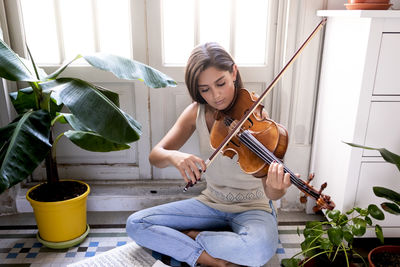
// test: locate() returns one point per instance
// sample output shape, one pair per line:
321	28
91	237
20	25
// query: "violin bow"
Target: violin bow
240	123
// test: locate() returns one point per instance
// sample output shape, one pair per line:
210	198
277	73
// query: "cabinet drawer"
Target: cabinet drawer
383	128
378	174
387	79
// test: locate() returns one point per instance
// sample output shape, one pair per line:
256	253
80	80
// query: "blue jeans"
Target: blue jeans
252	241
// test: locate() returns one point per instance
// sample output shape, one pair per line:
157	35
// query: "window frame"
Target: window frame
250	73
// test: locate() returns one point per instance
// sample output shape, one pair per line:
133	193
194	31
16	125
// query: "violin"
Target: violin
257	140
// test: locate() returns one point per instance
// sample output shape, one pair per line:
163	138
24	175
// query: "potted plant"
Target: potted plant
97	122
329	243
386	255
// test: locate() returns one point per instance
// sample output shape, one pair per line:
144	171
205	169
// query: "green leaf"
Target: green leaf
129	69
325	244
359	227
349	211
391	208
96	111
292	262
27	148
342	219
75	123
386	154
309	242
333	214
348	236
376	212
55	74
93	142
379	233
11	66
6	132
368	220
335	235
114	97
386	193
23	100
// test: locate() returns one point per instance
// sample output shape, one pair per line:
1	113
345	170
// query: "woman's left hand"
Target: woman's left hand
277	181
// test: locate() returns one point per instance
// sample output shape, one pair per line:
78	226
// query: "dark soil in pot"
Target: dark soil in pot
60	191
386	259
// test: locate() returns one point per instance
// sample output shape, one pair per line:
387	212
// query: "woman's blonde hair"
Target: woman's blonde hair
202	57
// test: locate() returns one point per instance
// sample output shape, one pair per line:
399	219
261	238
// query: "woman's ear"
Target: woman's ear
234	71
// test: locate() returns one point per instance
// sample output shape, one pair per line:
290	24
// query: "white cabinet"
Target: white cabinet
358	102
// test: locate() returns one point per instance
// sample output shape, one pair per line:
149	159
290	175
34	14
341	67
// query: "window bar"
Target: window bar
132	17
232	29
95	26
196	17
59	29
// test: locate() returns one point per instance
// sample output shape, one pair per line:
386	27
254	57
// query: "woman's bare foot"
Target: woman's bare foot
206	259
191	233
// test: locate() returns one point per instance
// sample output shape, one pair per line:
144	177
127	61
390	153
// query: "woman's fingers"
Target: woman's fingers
188	167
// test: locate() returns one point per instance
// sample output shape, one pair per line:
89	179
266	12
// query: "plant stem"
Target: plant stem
51	165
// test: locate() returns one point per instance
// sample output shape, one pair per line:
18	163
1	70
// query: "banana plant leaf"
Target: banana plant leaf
129	69
74	122
24	100
6	132
96	111
122	68
26	148
11	66
93	142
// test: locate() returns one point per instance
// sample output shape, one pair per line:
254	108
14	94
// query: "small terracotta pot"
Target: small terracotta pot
381	249
368	1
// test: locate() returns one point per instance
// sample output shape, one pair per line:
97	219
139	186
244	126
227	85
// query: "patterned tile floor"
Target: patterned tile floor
20	246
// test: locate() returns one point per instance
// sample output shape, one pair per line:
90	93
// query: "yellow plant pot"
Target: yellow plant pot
60	221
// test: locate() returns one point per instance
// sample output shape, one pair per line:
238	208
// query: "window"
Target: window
240	26
58	30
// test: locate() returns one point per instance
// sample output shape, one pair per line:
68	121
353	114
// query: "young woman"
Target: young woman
184	229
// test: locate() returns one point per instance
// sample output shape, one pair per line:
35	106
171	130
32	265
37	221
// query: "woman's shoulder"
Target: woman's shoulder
189	115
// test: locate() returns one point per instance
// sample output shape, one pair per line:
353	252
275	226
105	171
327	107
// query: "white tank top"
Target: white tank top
228	188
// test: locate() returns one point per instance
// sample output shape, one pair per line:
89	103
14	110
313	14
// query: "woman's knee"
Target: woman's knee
134	223
262	250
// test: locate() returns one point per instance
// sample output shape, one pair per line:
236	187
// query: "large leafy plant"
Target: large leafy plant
97	122
392	207
329	242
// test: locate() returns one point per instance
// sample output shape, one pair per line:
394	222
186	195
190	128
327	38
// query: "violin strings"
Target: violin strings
254	145
263	153
260	150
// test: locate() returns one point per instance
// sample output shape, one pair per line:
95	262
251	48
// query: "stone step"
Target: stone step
126	196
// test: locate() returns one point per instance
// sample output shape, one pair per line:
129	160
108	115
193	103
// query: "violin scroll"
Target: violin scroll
322	201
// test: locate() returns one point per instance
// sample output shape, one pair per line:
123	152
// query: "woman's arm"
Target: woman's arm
166	153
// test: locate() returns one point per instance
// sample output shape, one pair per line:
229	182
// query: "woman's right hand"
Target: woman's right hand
189	166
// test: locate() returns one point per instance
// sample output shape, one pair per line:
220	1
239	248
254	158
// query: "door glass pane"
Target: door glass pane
251	31
178	30
114	27
78	30
215	22
40	30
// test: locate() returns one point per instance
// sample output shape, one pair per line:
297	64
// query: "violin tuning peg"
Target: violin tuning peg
323	186
310	178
